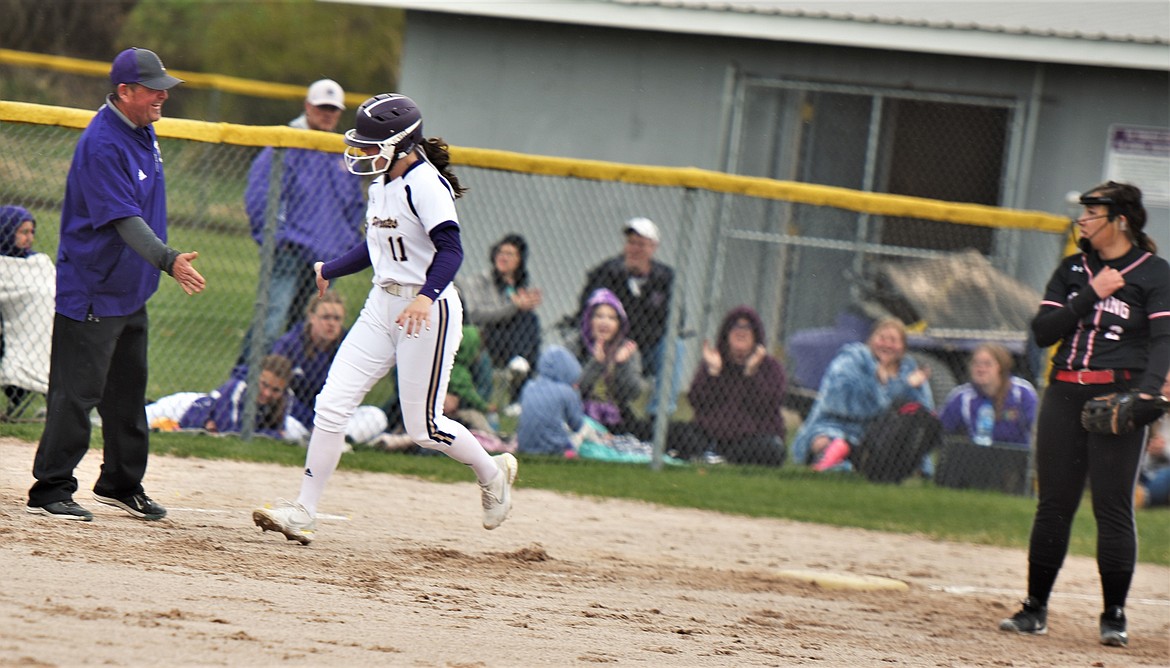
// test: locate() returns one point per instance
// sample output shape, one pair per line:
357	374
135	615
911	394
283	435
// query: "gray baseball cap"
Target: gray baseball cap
141	66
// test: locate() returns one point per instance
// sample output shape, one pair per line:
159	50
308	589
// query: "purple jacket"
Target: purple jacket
310	368
609	388
1013	423
226	407
10	218
322	205
117	172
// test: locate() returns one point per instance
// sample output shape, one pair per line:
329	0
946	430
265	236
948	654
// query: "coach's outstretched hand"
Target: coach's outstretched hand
188	277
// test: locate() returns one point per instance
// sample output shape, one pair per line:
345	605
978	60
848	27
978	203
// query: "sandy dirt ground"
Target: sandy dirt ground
402	575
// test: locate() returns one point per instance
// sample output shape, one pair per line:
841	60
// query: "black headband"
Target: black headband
1087	199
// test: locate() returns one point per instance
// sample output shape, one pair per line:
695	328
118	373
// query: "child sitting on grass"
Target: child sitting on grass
550	406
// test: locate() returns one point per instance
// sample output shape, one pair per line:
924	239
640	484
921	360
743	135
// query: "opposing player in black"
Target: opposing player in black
1108	308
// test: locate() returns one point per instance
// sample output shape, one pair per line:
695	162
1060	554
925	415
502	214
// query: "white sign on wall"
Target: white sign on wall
1141	156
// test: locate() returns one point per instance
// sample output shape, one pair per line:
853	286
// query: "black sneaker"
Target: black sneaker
139	505
1031	619
1113	631
63	510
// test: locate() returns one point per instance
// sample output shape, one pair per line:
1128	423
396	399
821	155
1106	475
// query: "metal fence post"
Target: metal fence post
664	384
258	343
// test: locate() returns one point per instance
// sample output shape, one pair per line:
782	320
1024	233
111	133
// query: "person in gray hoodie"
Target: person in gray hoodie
550	406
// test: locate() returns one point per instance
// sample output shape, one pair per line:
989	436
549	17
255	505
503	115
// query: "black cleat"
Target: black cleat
1032	619
62	510
139	505
1113	631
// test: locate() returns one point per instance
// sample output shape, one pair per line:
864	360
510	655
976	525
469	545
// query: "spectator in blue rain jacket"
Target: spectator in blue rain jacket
863	381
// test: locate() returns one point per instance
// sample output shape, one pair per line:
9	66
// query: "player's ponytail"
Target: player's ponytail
1146	243
440	157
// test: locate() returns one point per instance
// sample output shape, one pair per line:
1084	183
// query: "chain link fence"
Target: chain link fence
798	255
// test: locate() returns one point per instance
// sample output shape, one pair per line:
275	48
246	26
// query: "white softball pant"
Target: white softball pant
374	345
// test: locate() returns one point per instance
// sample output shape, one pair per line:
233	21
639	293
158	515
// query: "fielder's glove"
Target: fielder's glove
1121	412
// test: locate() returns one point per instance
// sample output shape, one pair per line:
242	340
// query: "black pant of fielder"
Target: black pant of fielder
1066	455
102	363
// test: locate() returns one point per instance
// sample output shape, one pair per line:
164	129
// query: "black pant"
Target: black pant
1065	455
690	441
98	363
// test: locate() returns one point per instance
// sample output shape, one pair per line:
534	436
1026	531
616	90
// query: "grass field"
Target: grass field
945	514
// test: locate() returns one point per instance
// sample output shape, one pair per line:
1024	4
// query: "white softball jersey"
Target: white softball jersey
399	219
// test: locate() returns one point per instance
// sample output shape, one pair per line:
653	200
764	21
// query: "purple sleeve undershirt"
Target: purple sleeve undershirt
354	260
448	258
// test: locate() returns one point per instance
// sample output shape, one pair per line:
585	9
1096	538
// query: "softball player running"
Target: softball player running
412	316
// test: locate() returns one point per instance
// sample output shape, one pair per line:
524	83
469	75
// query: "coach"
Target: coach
113	244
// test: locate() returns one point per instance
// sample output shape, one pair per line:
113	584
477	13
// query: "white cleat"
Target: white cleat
497	494
290	519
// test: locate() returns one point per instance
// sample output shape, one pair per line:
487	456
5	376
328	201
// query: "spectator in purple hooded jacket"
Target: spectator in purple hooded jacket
28	289
18	228
736	396
611	368
221	411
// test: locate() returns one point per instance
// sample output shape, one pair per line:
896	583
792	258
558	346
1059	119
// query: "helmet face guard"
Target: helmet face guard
357	161
388	122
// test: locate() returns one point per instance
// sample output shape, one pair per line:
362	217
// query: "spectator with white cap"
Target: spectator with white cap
320	214
644	287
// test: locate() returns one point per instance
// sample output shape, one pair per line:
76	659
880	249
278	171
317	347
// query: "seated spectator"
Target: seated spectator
28	282
644	286
502	303
864	381
310	345
736	396
551	408
991	420
611	371
1011	400
222	410
1153	487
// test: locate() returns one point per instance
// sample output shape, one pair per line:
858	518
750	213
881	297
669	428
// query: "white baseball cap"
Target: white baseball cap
326	91
643	227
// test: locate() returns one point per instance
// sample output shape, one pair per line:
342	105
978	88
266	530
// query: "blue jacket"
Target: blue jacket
850	397
322	205
549	402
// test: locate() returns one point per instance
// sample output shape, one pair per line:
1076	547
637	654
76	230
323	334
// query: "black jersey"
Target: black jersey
1130	329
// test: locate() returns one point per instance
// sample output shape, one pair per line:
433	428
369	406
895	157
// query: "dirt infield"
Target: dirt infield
402	575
